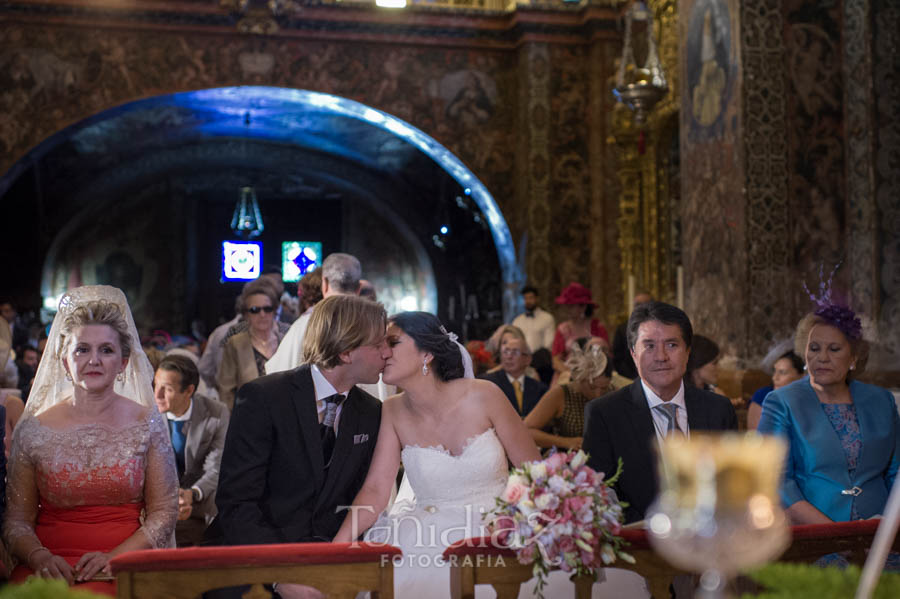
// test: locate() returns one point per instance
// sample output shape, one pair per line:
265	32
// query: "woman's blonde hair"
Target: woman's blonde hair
858	347
587	364
339	324
97	312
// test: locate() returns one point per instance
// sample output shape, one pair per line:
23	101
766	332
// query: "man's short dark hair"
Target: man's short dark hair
662	312
529	289
185	367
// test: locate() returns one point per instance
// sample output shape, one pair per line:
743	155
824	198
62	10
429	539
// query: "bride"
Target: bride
455	436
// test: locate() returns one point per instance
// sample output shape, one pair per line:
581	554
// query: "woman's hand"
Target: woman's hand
47	565
90	564
573	442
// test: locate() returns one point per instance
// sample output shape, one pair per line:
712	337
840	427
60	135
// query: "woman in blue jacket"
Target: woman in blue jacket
844	435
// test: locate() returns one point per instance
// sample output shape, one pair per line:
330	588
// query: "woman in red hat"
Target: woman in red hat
577	311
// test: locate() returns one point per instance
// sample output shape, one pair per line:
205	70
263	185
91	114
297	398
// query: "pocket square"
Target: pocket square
357	439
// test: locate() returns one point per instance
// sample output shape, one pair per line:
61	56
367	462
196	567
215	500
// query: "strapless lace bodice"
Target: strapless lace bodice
476	476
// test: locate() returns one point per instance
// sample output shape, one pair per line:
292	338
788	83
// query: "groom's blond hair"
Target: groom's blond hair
340	324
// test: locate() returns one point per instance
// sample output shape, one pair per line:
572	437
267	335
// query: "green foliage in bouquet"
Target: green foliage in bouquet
40	588
800	581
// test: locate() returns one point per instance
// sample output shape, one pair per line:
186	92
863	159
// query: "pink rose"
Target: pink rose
514	492
555	462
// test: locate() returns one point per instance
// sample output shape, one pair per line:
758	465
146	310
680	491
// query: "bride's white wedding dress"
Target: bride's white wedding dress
452	493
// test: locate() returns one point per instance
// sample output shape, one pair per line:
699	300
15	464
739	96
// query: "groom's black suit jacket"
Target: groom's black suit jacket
273	485
619	425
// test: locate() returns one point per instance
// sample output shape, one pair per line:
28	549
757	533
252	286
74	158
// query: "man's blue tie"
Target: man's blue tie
178	439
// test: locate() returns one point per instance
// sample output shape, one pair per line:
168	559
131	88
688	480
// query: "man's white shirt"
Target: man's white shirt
539	329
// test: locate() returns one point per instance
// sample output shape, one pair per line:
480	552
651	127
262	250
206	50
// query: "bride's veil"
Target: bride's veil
50	385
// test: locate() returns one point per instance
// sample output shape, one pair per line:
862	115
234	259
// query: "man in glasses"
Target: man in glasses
522	391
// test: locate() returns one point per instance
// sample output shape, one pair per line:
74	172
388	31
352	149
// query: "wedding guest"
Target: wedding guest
212	353
786	369
522	391
702	366
91	474
578	308
311	288
501	336
537	324
244	354
844	435
626	423
622	361
197	427
563	406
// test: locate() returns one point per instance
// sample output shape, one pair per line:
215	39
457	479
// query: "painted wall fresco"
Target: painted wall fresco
714	240
467	99
815	118
55	77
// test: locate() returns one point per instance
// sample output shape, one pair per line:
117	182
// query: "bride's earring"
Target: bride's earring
68	376
424	367
121	377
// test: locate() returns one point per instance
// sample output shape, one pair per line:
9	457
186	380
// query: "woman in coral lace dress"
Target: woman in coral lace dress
91	471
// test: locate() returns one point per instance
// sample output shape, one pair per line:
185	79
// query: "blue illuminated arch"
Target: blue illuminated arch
268	112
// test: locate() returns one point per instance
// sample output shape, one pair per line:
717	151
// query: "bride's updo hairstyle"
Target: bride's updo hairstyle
430	336
97	312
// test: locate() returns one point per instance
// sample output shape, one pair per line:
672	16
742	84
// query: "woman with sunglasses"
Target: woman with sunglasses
245	353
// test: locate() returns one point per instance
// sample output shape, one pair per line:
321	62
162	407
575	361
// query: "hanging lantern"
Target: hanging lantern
247	222
640	87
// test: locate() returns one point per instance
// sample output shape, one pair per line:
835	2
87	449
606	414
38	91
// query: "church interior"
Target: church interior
129	129
723	156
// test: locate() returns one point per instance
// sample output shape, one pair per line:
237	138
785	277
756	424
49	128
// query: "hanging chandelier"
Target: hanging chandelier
640	87
247	222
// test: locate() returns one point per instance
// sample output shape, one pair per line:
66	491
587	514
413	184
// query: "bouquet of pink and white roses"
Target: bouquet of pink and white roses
560	513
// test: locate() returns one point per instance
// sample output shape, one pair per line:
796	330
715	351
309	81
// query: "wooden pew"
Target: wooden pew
808	544
339	570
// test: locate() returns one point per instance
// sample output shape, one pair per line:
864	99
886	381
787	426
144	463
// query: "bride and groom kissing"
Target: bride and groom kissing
305	445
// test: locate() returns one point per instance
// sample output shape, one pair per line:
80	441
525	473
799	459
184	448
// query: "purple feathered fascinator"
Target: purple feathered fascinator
838	315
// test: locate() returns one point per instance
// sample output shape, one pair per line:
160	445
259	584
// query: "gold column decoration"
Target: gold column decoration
647	216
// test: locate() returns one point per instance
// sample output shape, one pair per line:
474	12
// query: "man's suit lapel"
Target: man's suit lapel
194	432
641	419
698	418
530	395
308	421
343	444
503	382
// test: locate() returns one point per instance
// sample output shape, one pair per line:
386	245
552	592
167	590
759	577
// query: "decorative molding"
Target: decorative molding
764	117
534	82
886	57
421	24
859	143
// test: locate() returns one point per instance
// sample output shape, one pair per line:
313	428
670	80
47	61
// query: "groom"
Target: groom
300	441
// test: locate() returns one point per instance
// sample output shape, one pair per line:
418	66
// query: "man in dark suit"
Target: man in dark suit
629	422
197	427
300	441
522	391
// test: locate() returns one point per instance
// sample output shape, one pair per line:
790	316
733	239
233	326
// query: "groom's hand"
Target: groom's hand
185	503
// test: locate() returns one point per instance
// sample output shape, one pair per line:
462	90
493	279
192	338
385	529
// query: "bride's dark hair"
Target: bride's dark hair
430	336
